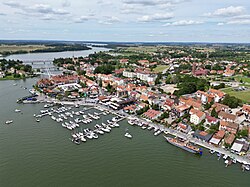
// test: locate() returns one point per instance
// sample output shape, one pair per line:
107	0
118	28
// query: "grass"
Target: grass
244	79
243	95
160	68
15	48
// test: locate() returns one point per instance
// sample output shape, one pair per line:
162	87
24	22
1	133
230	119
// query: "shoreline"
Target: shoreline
165	130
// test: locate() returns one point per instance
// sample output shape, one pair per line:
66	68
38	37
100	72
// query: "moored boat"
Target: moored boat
185	145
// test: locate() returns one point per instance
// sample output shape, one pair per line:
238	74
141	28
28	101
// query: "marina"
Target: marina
38	144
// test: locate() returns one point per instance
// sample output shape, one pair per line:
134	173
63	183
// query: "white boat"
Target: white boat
64	125
83	139
95	136
9	122
37	120
104	129
116	125
128	135
213	151
157	132
131	122
17	110
225	157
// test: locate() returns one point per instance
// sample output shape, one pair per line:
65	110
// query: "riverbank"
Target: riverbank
166	130
43	150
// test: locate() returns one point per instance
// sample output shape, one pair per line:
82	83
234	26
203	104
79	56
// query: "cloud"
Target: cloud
2	14
183	23
82	19
109	20
36	8
227	12
153	2
13	4
66	3
156	17
239	22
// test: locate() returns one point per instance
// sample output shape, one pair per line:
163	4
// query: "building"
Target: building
152	114
184	127
217	137
229	126
196	116
227	116
202	135
229	139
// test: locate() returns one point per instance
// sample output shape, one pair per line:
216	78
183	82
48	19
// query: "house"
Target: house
240	145
220	107
229	126
130	109
152	114
202	135
211	120
217	137
184	127
227	116
229	139
218	95
197	104
246	109
2	74
181	110
168	104
205	97
196	116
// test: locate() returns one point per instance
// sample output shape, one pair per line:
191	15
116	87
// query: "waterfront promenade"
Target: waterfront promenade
166	130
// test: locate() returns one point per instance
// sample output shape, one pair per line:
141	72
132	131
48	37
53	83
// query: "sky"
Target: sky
126	20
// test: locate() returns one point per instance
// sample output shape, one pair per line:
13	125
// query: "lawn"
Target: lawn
244	79
243	95
160	68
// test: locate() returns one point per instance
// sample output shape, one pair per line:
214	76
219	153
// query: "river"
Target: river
49	57
41	154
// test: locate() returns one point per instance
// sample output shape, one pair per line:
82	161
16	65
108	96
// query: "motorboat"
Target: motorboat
37	120
128	135
9	122
213	151
17	110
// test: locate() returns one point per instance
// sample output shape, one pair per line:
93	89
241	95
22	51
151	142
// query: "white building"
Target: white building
196	116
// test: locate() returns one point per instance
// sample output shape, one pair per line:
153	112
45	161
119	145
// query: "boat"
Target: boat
17	110
157	132
185	145
225	157
77	141
83	139
37	120
9	122
128	135
212	151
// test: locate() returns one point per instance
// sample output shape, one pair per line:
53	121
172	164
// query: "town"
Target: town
182	93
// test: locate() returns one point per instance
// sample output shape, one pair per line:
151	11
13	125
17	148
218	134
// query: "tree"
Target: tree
231	101
214	113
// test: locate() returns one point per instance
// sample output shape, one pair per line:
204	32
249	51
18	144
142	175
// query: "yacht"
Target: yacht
83	139
37	120
9	122
17	110
213	151
128	135
131	122
157	132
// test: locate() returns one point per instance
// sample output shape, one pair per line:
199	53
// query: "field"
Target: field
244	79
160	68
243	95
15	48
